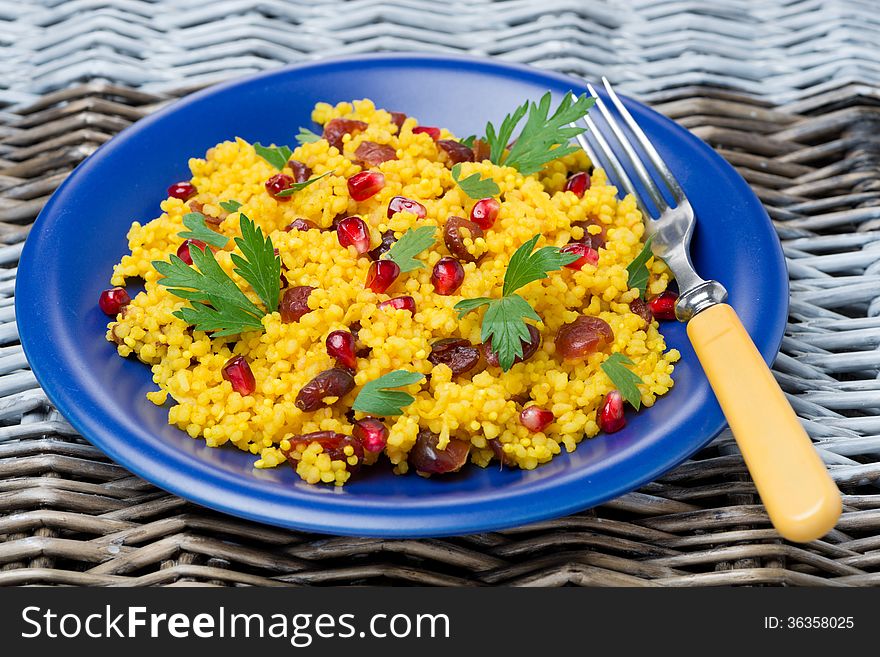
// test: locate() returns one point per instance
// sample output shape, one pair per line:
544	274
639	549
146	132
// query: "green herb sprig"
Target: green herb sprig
638	269
624	379
306	136
504	320
378	397
231	205
198	230
411	243
475	186
296	187
277	156
216	302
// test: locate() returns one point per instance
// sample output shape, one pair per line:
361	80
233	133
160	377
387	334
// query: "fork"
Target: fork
800	497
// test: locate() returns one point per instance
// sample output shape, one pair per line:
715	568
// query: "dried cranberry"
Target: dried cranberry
371	154
301	170
485	212
578	183
454	239
372	434
584	336
336	128
456	151
642	309
663	305
529	348
113	300
333	445
403	204
447	276
340	345
238	373
535	419
183	190
596	241
431	131
385	245
335	382
295	303
456	353
397	118
277	184
381	274
611	417
183	250
365	184
301	225
352	231
399	303
587	255
427	459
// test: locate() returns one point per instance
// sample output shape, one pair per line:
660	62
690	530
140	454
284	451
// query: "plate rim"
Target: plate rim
474	521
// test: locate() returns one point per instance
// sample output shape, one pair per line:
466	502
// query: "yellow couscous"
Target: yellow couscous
479	414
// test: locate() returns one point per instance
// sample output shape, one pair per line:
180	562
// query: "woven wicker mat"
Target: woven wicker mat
786	91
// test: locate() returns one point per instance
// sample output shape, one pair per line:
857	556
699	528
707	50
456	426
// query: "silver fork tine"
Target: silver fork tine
610	159
647	146
641	171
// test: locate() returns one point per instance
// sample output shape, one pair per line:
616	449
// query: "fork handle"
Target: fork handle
800	497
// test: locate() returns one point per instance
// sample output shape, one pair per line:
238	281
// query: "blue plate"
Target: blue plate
81	233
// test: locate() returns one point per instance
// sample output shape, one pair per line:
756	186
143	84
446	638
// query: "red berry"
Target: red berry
403	204
113	300
588	255
428	130
381	274
238	373
485	212
365	184
352	231
372	434
611	416
447	276
183	190
340	345
535	418
277	184
663	305
301	225
578	183
183	250
399	303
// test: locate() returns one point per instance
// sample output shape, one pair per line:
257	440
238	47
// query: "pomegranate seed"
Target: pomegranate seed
340	345
399	303
301	225
277	184
611	416
381	274
113	300
183	250
352	231
535	418
485	212
428	130
182	190
238	373
663	305
365	184
403	204
447	277
587	255
578	183
372	434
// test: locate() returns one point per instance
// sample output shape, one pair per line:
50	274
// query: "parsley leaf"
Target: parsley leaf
638	270
306	136
504	320
410	244
475	186
623	378
295	187
231	205
544	137
276	156
377	397
259	265
198	230
469	141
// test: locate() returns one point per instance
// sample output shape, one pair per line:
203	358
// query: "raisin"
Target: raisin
385	245
371	154
456	353
295	303
301	170
335	382
582	337
336	128
454	239
456	151
332	443
427	459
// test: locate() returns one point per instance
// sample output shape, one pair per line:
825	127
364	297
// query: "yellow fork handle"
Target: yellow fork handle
801	499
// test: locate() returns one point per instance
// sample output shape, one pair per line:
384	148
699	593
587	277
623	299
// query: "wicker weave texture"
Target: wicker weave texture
786	91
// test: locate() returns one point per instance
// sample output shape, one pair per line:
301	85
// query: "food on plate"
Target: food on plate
388	291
